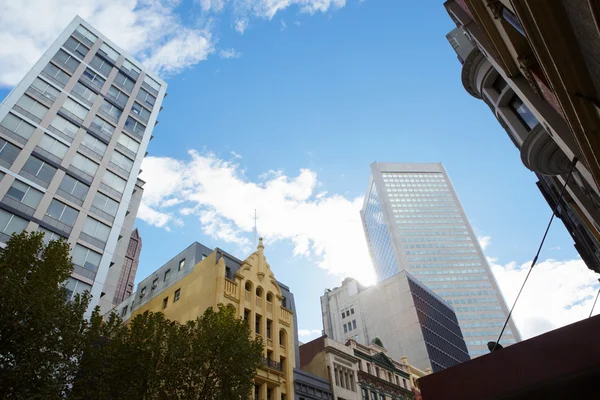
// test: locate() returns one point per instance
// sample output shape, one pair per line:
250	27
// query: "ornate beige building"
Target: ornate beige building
359	372
183	290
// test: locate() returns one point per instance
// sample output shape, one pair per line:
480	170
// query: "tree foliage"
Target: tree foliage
154	358
48	350
40	333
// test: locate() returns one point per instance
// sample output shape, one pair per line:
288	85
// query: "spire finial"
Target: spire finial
260	243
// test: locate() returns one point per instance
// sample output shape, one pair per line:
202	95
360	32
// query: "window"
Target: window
345	329
167	275
121	161
10	223
143	292
257	324
84	92
49	235
45	89
176	295
182	264
146	98
109	52
53	146
94	144
96	229
94	78
111	110
75	108
381	396
75	287
86	258
56	73
103	126
101	65
8	151
154	284
105	204
269	324
524	114
118	96
86	33
343	314
63	126
124	81
76	47
352	311
129	143
132	69
373	396
84	164
24	194
62	212
68	61
35	109
73	187
364	394
152	83
142	112
115	182
124	312
134	126
353	324
18	126
165	302
39	169
499	84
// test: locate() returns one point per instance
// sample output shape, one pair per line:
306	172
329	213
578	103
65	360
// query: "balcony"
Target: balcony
102	214
113	192
231	289
540	153
57	224
92	240
17	205
286	317
103	134
267	362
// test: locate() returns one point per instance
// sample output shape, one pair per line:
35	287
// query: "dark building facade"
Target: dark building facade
439	326
508	63
130	266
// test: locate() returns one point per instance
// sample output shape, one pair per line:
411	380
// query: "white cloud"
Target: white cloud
150	30
229	53
153	217
557	293
309	332
235	155
240	25
320	226
484	241
297	23
283	25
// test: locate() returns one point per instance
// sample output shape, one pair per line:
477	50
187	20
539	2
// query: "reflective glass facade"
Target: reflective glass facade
430	237
378	236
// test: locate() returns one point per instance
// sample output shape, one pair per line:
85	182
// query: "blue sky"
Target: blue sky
286	117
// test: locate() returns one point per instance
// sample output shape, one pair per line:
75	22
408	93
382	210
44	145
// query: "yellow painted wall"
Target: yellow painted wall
206	286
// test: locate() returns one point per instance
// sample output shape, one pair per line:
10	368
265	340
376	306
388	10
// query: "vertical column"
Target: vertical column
263	392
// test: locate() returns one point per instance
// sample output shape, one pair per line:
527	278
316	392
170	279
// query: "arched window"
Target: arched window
248	286
270	297
259	292
282	337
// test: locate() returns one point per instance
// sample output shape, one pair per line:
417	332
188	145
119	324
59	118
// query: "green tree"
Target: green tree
40	331
152	358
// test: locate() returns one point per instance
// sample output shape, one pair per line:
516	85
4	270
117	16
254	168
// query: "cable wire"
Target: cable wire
535	259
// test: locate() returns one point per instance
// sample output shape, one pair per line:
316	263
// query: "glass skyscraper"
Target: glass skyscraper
413	221
73	134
